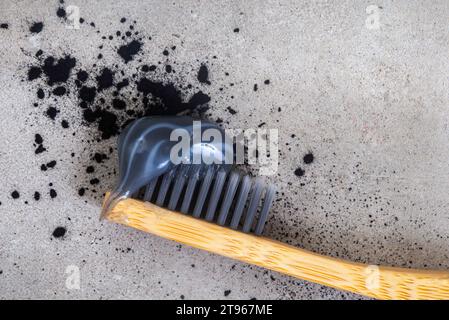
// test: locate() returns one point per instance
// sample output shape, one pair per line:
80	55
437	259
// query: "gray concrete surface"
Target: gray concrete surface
370	103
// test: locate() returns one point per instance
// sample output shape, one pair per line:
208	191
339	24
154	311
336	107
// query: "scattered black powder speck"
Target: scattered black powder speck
122	84
267	81
227	292
308	158
40	94
4	26
236	30
58	71
59	232
34	73
64	124
81	191
39	141
118	104
52	112
171	102
51	164
82	75
128	51
108	124
61	12
37	195
105	79
99	157
299	172
53	193
90	169
36	27
203	74
87	94
231	111
40	148
38	138
15	194
59	91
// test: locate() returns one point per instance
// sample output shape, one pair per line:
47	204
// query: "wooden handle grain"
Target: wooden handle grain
369	280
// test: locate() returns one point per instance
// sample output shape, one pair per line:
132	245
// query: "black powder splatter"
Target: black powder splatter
40	94
231	111
34	73
82	75
104	103
58	71
53	193
52	112
36	27
107	124
169	96
59	91
299	172
105	79
118	104
59	232
51	164
40	148
61	12
100	157
87	94
39	141
308	158
203	74
38	138
127	52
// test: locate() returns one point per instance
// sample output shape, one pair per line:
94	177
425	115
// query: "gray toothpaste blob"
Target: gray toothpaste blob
144	151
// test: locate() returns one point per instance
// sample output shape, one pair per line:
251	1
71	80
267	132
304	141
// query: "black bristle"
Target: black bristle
214	193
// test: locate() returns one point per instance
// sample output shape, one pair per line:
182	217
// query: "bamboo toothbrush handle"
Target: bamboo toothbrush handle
369	280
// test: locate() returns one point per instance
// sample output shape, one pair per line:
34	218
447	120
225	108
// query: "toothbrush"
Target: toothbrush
220	210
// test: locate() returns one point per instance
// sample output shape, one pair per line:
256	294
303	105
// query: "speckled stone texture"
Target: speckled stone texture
370	104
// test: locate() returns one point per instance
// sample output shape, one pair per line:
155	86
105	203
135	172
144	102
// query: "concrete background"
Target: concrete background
370	103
